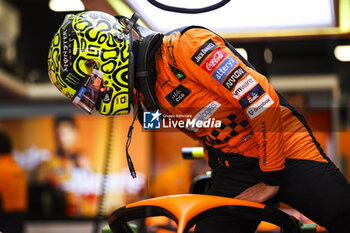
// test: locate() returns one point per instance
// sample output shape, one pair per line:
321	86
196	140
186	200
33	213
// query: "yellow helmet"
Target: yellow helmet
90	61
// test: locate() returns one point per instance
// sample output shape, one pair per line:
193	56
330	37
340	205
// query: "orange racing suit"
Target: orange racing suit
199	77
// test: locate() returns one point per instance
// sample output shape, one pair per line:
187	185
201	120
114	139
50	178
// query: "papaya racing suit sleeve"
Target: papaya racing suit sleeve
212	65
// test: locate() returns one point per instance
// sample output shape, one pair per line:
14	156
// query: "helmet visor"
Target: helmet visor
87	95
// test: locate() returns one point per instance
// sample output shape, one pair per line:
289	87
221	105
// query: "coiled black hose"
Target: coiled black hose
100	217
188	10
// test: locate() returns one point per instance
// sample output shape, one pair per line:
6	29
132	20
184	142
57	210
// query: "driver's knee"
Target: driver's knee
340	225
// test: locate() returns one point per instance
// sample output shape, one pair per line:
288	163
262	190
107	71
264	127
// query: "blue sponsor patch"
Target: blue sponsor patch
225	68
251	96
81	92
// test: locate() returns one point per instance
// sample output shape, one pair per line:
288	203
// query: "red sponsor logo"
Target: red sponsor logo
214	60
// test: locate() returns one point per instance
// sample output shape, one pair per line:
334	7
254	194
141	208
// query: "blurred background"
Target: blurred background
302	46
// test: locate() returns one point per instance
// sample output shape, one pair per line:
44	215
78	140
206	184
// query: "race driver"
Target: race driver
263	150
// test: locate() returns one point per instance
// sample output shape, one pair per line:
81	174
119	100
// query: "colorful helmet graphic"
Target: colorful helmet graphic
89	62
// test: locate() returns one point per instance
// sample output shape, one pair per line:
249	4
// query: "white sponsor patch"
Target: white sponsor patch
205	113
259	107
244	86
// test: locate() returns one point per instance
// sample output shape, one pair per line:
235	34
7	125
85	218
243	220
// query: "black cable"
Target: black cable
188	10
128	142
